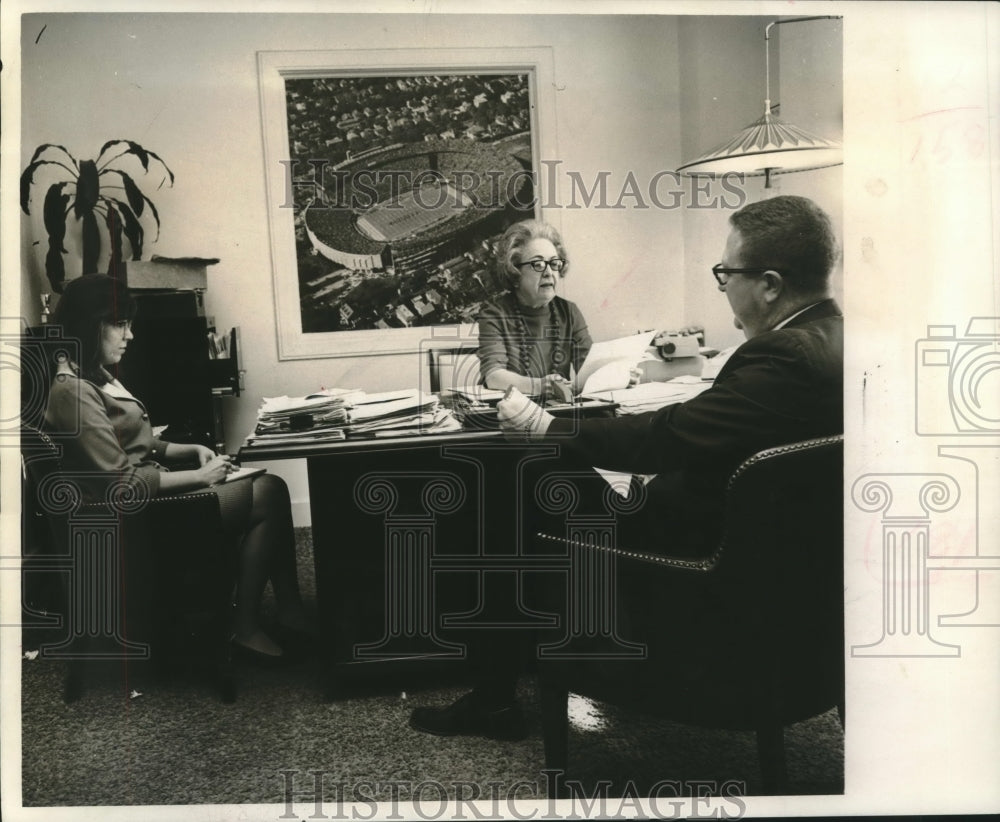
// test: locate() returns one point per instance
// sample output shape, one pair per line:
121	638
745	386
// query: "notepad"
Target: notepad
243	472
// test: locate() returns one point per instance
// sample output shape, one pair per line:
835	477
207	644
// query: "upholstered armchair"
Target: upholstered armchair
139	580
748	637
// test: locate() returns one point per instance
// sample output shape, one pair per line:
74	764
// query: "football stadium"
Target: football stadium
410	207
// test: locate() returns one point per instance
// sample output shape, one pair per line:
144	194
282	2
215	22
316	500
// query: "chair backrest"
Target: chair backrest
754	630
38	349
784	514
781	561
40	458
44	548
454	365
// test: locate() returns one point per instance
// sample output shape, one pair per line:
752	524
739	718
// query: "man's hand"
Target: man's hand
520	418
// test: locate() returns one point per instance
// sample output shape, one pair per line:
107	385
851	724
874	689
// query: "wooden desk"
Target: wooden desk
419	540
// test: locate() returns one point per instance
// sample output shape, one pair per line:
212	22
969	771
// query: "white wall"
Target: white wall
812	97
722	82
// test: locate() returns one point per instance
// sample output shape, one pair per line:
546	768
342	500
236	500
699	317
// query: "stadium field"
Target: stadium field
413	213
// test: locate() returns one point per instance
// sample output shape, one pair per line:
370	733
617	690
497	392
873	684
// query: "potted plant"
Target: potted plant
97	192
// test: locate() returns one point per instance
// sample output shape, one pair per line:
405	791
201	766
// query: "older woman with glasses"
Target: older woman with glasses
114	442
530	338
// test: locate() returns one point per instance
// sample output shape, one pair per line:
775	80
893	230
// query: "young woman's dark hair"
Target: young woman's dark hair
85	304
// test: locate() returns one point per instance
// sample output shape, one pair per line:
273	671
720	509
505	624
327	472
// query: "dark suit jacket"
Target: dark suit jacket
781	386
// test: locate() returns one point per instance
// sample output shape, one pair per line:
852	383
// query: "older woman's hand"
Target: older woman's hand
520	418
556	388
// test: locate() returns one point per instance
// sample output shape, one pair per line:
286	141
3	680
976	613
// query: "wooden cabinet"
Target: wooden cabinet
169	368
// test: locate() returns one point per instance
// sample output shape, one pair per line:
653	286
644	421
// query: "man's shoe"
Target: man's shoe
468	717
262	659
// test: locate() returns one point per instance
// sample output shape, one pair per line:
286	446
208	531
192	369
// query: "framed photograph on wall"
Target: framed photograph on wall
390	176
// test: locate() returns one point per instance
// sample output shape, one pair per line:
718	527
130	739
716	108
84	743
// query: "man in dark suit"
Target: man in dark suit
784	384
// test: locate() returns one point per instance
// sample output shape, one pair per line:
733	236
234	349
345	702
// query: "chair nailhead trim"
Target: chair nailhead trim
711	561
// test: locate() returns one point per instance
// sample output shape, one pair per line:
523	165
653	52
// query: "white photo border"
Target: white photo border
273	68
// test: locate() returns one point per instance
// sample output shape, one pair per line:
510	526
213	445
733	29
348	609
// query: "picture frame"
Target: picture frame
379	224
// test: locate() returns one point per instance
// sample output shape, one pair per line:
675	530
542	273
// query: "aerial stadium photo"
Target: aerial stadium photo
401	186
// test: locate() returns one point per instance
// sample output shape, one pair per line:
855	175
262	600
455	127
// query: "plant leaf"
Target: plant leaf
133	228
106	146
133	148
156	215
113	221
160	161
45	146
88	189
55	268
140	152
28	175
54	212
132	191
91	242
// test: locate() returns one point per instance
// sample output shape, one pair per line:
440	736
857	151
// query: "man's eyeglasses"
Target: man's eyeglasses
557	264
722	273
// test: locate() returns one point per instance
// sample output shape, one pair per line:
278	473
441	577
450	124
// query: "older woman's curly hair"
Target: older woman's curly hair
519	235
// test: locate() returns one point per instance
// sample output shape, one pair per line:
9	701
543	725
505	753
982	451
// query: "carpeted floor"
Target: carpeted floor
178	744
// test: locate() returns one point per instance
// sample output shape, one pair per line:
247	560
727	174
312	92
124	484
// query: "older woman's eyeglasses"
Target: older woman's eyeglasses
557	264
722	273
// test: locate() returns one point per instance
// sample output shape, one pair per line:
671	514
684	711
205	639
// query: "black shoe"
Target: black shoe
247	654
467	716
297	645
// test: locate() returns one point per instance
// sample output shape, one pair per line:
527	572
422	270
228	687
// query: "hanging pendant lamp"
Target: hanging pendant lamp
769	145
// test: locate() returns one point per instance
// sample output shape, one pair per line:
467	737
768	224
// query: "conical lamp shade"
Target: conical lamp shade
767	146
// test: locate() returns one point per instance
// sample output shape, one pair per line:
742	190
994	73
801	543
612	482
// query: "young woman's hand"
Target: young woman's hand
205	455
215	470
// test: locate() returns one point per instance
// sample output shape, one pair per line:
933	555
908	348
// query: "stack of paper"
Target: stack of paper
332	414
323	409
472	394
275	438
441	421
317	417
650	396
392	410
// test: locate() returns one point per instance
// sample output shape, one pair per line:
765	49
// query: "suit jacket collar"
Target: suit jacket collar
820	311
